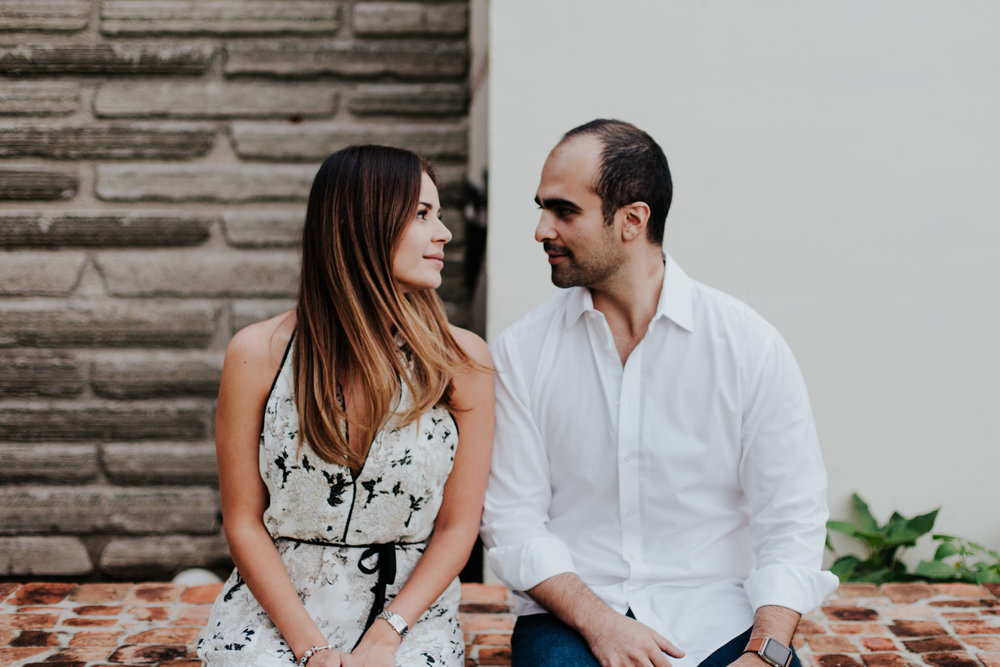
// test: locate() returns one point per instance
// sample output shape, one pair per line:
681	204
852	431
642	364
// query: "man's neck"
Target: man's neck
629	300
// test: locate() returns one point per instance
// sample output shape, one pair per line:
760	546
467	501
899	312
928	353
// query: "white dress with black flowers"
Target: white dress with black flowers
338	537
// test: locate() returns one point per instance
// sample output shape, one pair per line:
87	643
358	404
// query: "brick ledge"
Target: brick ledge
157	624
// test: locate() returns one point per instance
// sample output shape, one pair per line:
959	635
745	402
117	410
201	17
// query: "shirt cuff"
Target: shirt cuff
526	565
799	588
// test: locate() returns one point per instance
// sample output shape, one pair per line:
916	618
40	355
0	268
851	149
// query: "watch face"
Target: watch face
776	653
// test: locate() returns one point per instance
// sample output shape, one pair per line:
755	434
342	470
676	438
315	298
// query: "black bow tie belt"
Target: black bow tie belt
384	556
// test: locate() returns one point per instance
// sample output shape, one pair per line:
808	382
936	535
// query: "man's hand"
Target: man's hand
620	641
615	639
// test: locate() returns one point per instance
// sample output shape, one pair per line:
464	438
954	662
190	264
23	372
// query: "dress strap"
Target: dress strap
385	566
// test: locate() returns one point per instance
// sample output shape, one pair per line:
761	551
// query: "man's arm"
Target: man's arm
614	639
770	621
783	477
520	548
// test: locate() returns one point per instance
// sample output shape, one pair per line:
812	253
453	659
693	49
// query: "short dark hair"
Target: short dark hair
633	168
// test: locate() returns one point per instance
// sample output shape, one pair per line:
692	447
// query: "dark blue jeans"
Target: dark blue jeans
542	640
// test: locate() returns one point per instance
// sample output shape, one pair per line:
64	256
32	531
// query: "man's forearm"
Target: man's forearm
775	621
613	638
568	598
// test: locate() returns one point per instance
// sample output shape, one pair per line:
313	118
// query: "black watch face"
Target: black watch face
776	653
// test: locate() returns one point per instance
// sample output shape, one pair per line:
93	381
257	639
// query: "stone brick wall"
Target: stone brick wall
155	157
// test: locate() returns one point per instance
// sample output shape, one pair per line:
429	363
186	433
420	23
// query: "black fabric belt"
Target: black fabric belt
384	566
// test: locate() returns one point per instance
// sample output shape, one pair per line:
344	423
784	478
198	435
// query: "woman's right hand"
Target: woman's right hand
331	657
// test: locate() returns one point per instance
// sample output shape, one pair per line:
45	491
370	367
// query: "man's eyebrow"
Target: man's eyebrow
556	203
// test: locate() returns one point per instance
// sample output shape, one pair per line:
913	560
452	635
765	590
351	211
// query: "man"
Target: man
657	494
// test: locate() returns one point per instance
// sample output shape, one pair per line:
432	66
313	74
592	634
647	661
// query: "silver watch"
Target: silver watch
396	621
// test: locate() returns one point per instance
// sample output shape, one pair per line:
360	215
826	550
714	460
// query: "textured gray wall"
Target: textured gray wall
155	158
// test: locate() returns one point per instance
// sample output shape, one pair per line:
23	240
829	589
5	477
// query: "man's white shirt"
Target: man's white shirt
686	485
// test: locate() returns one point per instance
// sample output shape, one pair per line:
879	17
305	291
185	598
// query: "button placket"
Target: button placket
628	472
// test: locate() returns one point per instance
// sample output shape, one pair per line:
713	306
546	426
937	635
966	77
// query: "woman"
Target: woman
349	501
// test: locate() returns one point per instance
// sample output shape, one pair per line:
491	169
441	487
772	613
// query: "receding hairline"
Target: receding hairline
565	142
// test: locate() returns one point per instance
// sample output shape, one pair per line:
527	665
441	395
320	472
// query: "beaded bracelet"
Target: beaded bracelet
311	652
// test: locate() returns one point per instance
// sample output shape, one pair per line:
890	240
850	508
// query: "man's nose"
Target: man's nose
544	231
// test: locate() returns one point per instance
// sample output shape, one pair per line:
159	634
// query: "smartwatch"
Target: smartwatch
771	650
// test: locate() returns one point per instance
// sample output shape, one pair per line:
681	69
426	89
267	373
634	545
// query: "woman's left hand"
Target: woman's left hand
377	648
371	656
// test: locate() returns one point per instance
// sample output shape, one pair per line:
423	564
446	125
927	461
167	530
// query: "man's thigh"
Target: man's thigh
542	640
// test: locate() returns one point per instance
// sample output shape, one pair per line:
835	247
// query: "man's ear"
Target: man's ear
635	217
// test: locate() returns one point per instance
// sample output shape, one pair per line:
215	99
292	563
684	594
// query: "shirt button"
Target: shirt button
629	513
627	458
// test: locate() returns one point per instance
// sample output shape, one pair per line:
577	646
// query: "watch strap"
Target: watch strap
758	645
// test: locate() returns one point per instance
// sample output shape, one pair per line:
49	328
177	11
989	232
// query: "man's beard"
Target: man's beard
571	273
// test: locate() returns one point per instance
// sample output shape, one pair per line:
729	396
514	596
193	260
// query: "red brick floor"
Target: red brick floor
157	624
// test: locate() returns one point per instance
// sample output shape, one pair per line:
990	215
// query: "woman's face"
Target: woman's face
419	254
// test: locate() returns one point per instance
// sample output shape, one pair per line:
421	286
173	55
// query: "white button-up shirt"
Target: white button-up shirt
686	485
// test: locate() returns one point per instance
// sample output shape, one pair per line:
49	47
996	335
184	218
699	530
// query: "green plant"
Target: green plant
883	543
961	553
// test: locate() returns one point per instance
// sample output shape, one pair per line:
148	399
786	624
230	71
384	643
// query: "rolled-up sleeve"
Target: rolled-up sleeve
520	549
783	477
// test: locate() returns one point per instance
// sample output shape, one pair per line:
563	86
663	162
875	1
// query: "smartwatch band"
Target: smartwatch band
770	650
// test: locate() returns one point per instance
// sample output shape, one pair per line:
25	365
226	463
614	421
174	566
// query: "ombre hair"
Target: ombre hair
353	322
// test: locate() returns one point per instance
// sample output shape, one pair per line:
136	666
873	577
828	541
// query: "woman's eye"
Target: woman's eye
422	213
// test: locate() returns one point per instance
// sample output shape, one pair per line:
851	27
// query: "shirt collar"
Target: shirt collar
674	304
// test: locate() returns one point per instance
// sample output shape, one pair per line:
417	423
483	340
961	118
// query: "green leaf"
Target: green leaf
906	531
879	576
988	577
844	567
865	519
935	569
844	527
924	523
945	550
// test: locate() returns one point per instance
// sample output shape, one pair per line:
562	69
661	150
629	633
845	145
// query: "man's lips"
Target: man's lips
556	253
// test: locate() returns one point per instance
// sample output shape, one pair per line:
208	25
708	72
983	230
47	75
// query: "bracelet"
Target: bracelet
311	652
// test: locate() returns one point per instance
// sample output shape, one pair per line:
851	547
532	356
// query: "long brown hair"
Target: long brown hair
353	321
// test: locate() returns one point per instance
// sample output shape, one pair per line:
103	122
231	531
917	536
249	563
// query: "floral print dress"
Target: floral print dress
346	541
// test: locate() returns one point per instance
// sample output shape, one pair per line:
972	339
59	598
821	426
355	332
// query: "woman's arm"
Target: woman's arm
252	360
458	518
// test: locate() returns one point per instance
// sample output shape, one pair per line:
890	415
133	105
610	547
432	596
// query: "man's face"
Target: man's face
582	250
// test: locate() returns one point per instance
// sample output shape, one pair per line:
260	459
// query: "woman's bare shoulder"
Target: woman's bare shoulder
261	346
472	344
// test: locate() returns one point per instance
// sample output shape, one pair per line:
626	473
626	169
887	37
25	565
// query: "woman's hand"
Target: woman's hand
377	648
372	656
331	657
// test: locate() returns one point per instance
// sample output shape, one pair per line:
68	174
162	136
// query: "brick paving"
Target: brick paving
157	624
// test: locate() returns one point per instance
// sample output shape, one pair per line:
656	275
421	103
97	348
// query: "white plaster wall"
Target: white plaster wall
835	165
